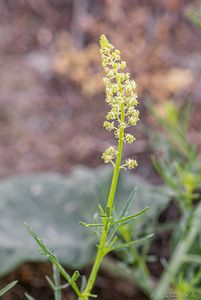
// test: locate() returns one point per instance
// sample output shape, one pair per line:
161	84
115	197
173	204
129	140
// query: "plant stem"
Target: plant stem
102	245
179	255
116	171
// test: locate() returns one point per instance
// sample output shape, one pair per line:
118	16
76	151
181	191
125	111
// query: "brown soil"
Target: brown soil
32	280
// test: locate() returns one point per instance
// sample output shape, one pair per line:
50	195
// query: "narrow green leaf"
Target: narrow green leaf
130	218
46	252
108	212
51	284
185	111
63	286
129	244
101	209
57	283
90	225
7	288
192	258
129	202
75	276
54	287
112	234
93	296
96	229
111	243
29	297
118	222
83	283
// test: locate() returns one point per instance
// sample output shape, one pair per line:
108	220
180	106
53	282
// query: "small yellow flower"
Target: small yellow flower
131	163
109	154
108	125
129	138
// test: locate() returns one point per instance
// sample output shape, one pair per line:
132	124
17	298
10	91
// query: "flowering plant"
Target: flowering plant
122	98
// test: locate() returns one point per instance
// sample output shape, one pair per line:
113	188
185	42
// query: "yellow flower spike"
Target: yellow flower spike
120	95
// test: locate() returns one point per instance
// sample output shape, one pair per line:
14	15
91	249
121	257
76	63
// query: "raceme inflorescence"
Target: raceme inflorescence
121	96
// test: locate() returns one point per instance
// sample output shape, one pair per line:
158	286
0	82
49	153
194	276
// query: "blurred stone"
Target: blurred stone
54	204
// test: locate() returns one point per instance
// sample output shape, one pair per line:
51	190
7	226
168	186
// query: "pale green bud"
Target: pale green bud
123	64
103	41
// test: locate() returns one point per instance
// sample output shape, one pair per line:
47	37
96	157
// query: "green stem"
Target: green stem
116	171
179	255
102	245
96	266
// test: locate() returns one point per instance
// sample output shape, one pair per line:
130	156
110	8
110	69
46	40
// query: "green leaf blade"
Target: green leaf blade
7	288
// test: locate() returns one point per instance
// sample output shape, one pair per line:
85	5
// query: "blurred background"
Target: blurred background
51	92
52	98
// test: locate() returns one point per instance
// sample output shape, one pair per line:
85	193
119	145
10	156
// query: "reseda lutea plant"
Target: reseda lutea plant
122	99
